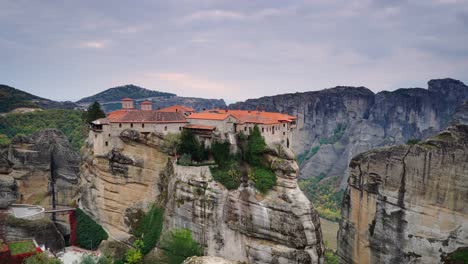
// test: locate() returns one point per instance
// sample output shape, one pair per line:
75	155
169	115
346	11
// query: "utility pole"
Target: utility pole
52	182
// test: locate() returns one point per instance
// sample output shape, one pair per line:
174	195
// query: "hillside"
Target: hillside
119	92
110	99
12	98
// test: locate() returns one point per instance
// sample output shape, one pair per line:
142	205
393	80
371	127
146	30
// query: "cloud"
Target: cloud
195	83
213	15
93	44
219	14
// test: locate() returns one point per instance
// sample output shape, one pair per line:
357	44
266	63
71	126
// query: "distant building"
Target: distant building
208	126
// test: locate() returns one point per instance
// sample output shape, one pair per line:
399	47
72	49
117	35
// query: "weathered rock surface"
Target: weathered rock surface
209	260
30	164
346	121
408	203
239	225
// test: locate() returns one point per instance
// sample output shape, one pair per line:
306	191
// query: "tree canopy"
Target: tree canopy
94	112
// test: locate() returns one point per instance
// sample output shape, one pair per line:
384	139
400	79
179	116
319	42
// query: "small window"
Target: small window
165	128
284	125
109	135
107	143
263	130
120	125
131	124
142	125
245	128
180	128
284	133
95	135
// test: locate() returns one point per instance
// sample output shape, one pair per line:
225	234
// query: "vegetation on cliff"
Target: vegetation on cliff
324	194
89	233
149	228
42	259
68	121
178	245
94	112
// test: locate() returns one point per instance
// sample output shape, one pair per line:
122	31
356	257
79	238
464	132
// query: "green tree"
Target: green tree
190	145
221	153
149	228
94	112
41	258
264	179
255	147
179	245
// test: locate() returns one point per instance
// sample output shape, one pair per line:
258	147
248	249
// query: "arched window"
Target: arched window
165	128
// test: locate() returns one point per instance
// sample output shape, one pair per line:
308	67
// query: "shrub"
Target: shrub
255	147
149	228
135	255
185	159
228	176
178	245
89	233
41	258
331	257
4	140
89	259
413	141
264	179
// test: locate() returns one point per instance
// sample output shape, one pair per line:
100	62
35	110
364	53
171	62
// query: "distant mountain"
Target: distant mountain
12	98
110	99
119	92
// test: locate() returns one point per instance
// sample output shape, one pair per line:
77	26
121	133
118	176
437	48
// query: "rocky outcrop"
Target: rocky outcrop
43	231
31	164
238	225
407	204
336	124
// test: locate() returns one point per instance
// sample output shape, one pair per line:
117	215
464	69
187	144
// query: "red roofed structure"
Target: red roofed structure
178	108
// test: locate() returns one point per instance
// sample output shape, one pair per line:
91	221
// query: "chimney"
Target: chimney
127	103
146	106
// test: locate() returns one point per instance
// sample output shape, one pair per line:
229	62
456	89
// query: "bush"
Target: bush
134	255
264	179
178	245
89	259
229	176
413	141
149	228
331	257
4	140
41	258
185	160
89	233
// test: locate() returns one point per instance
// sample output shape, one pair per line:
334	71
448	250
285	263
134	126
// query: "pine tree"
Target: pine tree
255	147
94	112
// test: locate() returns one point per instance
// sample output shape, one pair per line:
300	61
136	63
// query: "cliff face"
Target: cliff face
336	124
29	164
407	204
239	225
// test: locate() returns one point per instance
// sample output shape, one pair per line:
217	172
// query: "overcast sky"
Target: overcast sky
235	49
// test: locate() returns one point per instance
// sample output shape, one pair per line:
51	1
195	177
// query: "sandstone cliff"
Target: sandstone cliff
408	203
338	123
239	225
30	164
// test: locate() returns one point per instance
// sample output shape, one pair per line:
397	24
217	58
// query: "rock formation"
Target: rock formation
239	225
408	203
28	163
338	123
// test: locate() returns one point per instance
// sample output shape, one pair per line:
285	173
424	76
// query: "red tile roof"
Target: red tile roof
255	117
127	99
146	103
177	108
140	116
209	116
200	127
